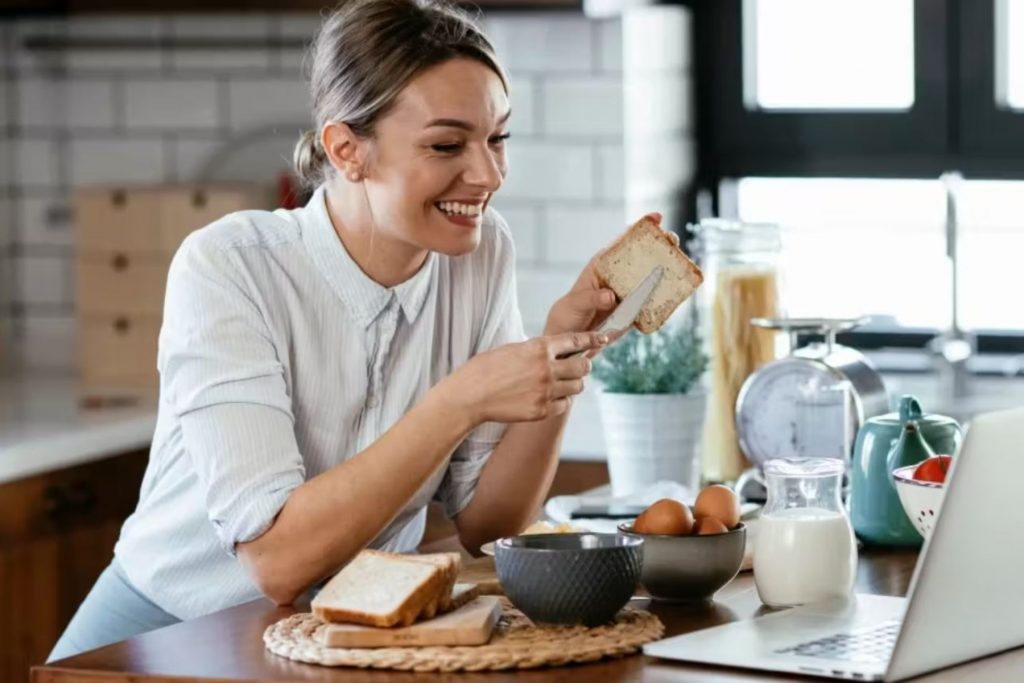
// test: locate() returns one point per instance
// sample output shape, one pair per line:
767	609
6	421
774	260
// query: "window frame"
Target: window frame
954	124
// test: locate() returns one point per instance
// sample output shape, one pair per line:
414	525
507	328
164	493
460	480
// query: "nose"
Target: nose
486	169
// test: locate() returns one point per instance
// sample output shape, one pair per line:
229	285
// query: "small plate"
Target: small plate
488	548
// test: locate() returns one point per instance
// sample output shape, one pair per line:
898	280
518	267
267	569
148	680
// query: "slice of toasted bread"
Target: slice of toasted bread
450	564
632	257
381	589
463	593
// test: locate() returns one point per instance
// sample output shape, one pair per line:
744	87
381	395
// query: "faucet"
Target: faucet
953	347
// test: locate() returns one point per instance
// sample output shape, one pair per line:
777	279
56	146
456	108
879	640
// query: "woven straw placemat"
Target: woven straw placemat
517	643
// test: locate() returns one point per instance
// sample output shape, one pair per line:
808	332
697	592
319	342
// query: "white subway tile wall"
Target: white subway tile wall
35	162
43	281
115	159
173	113
274	102
167	104
577	233
43	221
583	106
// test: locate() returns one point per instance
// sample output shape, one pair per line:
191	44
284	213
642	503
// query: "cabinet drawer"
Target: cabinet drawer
154	220
78	496
118	351
122	282
117	220
186	210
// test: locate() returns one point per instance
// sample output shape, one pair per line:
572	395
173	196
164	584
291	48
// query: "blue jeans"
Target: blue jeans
113	610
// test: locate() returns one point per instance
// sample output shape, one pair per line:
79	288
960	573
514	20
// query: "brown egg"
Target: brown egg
667	517
705	526
719	502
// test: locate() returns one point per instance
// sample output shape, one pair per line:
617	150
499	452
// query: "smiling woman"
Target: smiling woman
326	372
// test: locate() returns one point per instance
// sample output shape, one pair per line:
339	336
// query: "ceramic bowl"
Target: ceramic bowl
569	578
689	568
921	500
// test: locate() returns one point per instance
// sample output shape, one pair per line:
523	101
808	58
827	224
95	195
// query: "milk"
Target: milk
803	555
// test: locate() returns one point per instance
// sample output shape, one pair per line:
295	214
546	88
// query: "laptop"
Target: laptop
964	601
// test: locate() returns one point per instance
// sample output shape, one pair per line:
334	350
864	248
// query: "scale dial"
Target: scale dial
767	409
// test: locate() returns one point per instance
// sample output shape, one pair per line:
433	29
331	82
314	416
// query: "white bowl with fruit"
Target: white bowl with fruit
921	488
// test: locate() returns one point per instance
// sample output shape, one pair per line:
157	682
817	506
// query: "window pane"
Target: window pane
991	244
855	247
829	54
1010	53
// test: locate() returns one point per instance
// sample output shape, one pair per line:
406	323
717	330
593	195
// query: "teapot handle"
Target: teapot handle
910	409
911	448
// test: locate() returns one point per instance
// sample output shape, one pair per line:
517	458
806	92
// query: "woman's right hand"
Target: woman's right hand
526	381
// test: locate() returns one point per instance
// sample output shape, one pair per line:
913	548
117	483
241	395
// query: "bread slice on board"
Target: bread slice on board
381	589
450	564
472	624
632	257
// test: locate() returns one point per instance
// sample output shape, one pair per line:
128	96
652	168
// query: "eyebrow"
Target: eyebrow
463	125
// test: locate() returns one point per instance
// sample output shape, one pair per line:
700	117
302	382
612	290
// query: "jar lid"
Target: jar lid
804	467
720	234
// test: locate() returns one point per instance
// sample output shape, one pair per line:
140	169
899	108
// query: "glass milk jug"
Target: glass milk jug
804	550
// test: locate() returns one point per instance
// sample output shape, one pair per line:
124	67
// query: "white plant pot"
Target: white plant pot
652	437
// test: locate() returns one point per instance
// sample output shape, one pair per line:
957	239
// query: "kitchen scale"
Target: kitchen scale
808	405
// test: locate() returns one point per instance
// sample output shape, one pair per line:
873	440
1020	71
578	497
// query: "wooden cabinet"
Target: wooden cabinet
57	533
125	240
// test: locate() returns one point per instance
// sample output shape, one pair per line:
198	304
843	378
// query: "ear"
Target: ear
345	150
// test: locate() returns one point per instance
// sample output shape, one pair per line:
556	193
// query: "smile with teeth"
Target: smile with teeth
455	208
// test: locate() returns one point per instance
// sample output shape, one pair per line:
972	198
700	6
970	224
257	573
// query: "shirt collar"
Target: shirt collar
365	297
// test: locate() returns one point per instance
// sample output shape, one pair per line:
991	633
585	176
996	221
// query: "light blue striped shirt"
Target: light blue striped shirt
279	359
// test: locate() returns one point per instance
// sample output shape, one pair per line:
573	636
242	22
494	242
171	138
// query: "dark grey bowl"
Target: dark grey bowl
569	578
689	568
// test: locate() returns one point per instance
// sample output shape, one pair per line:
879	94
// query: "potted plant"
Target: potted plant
652	407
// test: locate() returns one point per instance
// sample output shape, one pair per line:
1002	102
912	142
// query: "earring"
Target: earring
355	176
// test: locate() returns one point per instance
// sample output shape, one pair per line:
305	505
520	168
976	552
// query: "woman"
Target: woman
326	372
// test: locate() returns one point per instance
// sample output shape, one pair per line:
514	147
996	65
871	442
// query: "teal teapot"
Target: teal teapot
884	443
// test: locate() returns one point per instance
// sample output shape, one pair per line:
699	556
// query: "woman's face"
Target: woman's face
438	157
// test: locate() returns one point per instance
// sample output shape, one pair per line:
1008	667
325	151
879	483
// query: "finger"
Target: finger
674	237
654	216
573	342
566	387
559	406
613	337
571	368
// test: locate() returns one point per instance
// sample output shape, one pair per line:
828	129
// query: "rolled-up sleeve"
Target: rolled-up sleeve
221	374
503	324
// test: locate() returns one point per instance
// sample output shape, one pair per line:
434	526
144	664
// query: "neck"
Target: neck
386	260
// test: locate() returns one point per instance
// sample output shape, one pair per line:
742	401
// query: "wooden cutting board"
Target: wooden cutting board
471	624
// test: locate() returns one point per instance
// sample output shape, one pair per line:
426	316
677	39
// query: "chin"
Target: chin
458	247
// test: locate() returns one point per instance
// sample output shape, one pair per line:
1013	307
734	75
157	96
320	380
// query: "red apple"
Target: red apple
933	469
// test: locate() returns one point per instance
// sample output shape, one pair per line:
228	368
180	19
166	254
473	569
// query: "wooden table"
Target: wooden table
228	645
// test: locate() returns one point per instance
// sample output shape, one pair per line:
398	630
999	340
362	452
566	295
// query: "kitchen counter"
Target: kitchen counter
44	428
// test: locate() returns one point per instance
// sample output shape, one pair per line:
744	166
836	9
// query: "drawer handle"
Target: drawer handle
119	262
122	325
81	498
55	504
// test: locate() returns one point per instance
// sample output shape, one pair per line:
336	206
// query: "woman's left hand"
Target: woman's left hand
587	304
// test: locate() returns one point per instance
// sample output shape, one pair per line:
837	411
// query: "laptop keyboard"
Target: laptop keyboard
872	644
